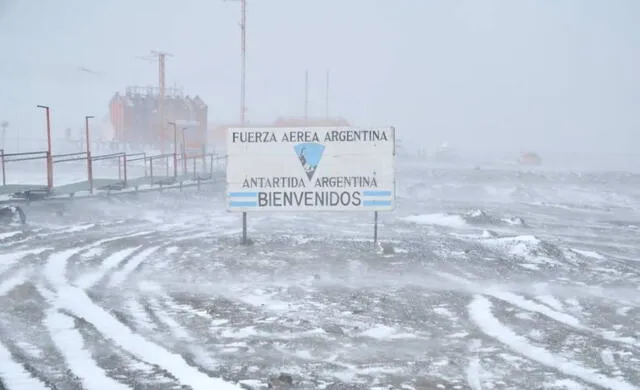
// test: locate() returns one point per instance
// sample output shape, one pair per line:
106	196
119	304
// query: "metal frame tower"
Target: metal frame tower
161	58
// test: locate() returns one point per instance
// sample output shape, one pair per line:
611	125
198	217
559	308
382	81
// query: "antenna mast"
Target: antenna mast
243	84
326	113
306	95
243	57
161	57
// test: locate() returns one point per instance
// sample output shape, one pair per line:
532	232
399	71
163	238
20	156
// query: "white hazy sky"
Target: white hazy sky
502	74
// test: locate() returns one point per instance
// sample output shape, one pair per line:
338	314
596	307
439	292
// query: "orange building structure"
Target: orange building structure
136	119
530	158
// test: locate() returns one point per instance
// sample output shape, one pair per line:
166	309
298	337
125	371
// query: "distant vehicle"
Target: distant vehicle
12	215
530	158
445	153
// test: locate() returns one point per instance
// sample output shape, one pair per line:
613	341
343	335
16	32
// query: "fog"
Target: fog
485	76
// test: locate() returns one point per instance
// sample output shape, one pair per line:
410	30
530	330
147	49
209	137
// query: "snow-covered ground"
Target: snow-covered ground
501	279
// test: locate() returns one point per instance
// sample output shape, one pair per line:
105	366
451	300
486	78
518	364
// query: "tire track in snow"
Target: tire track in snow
560	317
119	277
532	306
55	272
159	308
56	266
480	312
141	318
14	375
9	235
13	281
69	342
7	260
55	232
178	331
88	280
76	301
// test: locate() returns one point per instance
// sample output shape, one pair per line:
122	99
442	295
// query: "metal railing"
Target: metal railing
16	157
161	169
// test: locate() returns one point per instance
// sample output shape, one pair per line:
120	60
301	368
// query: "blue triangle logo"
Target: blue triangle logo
309	154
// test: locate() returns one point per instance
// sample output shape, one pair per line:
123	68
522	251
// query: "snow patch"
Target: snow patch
13	282
4	236
480	311
591	254
70	344
119	277
440	219
7	260
77	302
112	261
383	332
14	375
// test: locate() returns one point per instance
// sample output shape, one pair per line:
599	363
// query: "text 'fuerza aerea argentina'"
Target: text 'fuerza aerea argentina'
321	168
349	135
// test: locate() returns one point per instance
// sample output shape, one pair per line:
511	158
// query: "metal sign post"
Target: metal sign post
375	229
244	228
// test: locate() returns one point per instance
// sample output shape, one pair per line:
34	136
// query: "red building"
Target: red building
136	118
530	158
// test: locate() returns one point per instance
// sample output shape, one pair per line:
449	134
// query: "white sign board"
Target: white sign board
311	168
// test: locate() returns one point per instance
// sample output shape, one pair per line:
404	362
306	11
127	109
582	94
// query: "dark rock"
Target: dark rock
282	381
248	243
387	249
333	328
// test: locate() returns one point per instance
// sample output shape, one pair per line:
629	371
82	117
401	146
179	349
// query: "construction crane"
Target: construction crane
160	56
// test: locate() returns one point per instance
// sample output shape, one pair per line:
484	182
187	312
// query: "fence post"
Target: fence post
4	180
119	169
211	166
124	160
90	171
195	175
49	171
185	170
151	169
175	163
204	160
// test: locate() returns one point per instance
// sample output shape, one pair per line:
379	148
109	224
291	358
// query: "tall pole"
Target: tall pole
184	150
161	63
89	164
243	60
175	149
4	126
375	229
243	78
326	103
243	86
306	95
49	155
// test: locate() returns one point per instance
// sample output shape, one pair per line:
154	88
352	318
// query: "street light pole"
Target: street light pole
175	149
184	151
4	126
89	163
49	155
